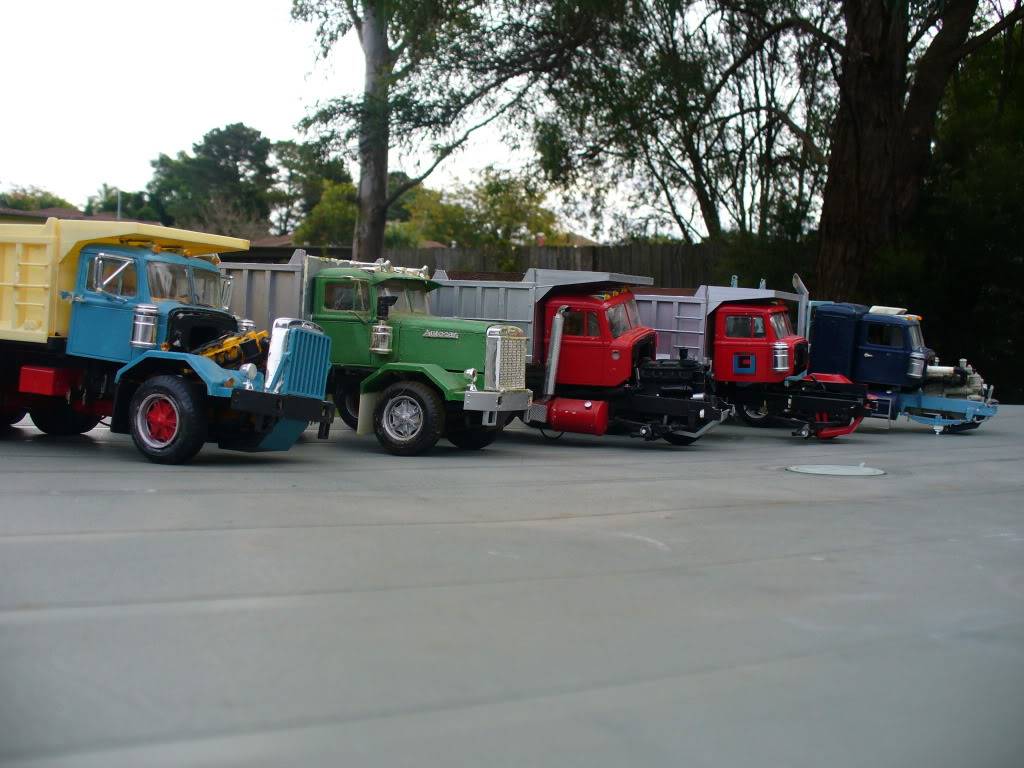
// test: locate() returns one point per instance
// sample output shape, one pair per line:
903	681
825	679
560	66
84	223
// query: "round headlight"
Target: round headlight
248	370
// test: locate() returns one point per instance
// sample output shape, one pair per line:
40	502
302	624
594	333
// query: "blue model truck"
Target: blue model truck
884	348
128	321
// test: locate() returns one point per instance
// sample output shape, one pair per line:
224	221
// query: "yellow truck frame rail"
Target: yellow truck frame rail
39	262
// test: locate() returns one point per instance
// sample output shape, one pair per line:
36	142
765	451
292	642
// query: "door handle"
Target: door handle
868	354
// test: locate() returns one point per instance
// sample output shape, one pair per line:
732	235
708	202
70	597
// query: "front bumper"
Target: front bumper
294	407
507	401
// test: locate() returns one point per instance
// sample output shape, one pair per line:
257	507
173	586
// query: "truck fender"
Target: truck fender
451	385
156	361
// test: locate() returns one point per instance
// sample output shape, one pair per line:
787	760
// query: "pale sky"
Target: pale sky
94	90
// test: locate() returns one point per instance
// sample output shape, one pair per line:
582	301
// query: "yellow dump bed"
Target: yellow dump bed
39	261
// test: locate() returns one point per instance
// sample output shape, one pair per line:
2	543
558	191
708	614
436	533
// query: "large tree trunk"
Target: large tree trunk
881	138
374	137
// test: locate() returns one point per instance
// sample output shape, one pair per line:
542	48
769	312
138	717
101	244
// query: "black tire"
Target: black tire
346	401
754	417
61	420
409	419
167	417
10	418
675	439
473	439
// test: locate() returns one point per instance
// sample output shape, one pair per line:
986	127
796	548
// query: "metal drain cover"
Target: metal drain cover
842	470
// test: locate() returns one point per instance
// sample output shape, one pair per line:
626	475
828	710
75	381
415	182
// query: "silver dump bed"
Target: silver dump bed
680	318
518	302
264	292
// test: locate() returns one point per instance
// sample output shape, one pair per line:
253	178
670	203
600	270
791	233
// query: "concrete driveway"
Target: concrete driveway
586	602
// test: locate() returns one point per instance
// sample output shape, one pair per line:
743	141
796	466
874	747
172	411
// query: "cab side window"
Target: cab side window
113	275
744	327
882	335
350	295
580	323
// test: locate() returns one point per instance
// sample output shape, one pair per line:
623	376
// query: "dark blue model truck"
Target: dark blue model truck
884	348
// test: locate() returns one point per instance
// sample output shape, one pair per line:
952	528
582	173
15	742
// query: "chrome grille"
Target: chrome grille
512	362
505	366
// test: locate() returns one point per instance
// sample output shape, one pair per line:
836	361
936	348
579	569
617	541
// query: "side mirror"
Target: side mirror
384	304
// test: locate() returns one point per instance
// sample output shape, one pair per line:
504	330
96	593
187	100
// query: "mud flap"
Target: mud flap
367	405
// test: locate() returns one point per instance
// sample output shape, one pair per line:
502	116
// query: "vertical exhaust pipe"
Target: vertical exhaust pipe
554	350
802	318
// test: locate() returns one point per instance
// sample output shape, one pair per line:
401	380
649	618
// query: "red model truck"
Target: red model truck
606	356
589	357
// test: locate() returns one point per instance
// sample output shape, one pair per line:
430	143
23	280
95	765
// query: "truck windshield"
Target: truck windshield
209	288
412	298
916	337
169	282
781	325
622	317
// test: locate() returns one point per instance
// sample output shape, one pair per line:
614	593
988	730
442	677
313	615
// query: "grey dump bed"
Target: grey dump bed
518	302
264	292
680	316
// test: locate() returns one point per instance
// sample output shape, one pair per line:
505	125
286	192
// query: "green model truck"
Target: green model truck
396	370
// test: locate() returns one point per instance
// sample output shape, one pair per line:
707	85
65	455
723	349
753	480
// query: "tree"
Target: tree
302	169
960	261
895	61
701	129
332	221
133	205
31	199
501	211
224	186
435	73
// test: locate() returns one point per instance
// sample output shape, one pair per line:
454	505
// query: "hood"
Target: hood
453	344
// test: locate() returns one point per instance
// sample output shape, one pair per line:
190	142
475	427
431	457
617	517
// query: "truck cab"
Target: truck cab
880	346
186	297
602	337
756	343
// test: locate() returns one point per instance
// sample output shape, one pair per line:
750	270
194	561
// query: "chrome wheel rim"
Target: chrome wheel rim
756	414
157	421
403	418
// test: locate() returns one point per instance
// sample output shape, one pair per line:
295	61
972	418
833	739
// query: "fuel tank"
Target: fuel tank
589	417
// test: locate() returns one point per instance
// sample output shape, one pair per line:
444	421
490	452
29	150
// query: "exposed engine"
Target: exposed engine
956	381
234	350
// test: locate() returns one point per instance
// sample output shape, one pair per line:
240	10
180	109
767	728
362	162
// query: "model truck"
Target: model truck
759	363
127	321
883	347
591	356
396	369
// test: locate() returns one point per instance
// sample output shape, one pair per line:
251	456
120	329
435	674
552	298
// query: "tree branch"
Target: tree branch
979	40
446	151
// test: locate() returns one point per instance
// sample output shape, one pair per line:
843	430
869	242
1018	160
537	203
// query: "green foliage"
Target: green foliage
31	199
501	211
227	181
134	205
302	169
962	263
332	221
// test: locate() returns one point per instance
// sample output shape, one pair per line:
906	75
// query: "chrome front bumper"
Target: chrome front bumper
487	400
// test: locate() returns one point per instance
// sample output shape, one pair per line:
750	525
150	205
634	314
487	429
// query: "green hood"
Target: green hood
455	345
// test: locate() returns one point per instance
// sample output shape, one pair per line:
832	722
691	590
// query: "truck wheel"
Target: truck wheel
679	439
62	420
168	421
10	418
347	401
755	416
409	418
473	439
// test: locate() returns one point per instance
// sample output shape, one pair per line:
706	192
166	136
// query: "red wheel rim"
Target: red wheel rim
161	420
